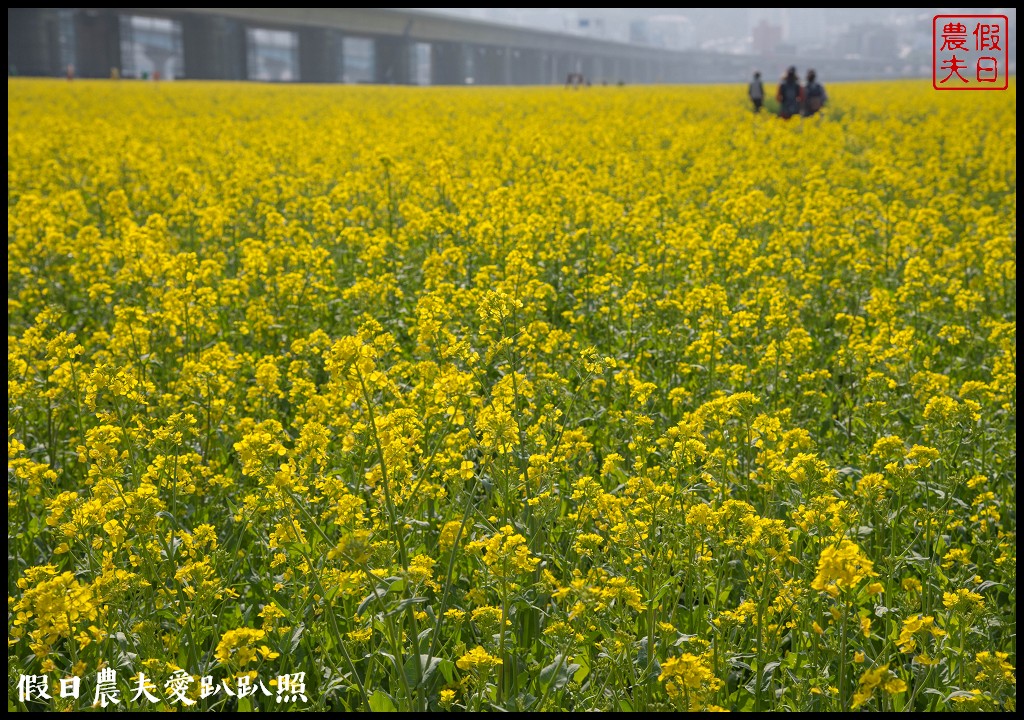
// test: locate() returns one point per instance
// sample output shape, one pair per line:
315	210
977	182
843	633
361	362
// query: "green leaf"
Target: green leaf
683	638
766	675
642	659
380	701
428	666
378	594
447	668
557	674
406	603
959	694
641	655
297	636
584	668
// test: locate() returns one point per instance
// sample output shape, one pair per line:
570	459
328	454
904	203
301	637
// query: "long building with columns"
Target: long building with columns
373	45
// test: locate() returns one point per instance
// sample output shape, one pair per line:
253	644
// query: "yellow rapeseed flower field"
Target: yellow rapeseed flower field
365	398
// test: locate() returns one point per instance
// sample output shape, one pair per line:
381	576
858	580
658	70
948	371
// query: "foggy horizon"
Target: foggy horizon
900	34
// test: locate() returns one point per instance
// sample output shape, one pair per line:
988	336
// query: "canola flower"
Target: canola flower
877	678
477	658
841	568
689	680
492	398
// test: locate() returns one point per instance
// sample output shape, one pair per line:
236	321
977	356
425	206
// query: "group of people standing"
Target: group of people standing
793	98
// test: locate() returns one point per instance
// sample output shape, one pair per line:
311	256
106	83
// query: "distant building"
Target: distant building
272	55
674	32
150	47
869	40
640	32
602	24
591	27
767	37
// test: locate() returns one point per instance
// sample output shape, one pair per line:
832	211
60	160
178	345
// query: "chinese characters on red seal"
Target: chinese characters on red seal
970	52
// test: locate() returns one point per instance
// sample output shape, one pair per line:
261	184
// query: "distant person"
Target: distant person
814	95
756	92
790	95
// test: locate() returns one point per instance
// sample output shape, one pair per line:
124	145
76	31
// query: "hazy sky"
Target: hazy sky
730	29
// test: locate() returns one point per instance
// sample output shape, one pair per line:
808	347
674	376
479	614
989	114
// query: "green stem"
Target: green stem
842	661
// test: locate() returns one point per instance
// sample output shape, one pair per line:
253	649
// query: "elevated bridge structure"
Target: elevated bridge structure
378	45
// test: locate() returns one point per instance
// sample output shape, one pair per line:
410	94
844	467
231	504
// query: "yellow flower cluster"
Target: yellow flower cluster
841	568
963	600
689	681
54	604
505	553
238	647
879	678
477	659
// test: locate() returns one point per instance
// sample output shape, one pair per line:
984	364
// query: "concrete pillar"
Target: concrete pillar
392	61
632	70
32	42
587	67
672	69
447	63
506	66
214	48
319	55
527	67
481	72
560	68
494	65
481	66
97	43
547	74
557	67
533	67
575	64
614	71
679	71
488	65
